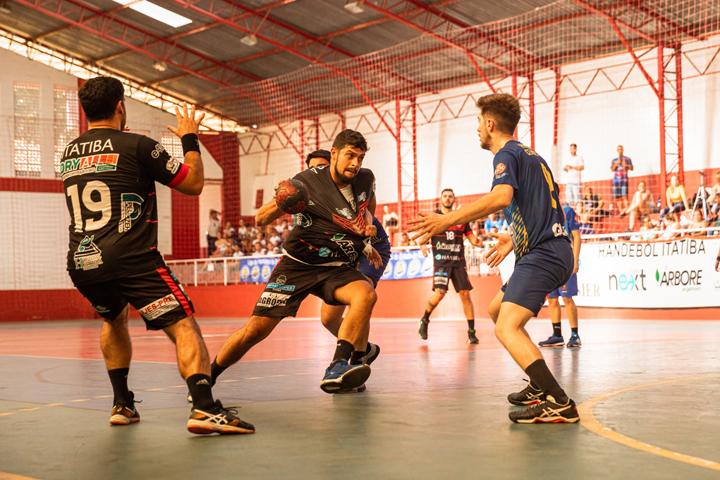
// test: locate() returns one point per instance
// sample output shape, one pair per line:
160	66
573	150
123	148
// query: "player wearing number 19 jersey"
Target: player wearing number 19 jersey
109	179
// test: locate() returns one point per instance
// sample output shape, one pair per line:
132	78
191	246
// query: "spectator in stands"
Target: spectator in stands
229	231
213	231
620	167
671	225
640	206
390	222
281	226
275	240
405	240
477	230
237	251
648	230
675	197
259	250
583	218
242	230
698	220
573	164
223	246
259	239
714	191
493	221
593	205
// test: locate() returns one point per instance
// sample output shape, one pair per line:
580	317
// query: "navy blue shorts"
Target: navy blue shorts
366	268
569	290
539	272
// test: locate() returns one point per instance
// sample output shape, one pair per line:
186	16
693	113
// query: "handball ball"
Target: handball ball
291	196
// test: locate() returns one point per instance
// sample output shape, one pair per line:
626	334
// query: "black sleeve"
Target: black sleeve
158	163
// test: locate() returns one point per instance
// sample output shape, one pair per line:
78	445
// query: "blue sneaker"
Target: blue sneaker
574	342
553	341
340	375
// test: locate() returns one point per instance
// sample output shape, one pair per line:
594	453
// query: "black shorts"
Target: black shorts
157	295
458	275
540	271
292	281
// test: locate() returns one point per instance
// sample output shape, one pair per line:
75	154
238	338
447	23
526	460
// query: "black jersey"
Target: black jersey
330	231
448	247
535	213
109	179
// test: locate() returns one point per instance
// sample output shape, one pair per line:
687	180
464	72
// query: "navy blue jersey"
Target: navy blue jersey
571	223
535	214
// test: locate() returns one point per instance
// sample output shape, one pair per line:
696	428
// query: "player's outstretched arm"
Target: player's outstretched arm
429	224
268	213
187	127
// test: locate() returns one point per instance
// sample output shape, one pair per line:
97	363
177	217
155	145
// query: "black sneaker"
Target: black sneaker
423	328
218	419
370	357
527	396
124	413
547	411
472	338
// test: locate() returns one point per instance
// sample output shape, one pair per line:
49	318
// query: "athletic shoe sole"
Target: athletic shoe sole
548	420
552	345
123	420
351	379
201	427
359	389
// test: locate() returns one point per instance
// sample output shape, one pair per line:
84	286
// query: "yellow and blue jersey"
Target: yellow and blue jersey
535	214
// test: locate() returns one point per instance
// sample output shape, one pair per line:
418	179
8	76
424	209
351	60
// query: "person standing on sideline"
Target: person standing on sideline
572	167
567	291
620	167
524	187
109	179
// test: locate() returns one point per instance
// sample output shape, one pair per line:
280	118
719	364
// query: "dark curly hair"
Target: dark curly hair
350	138
503	108
99	97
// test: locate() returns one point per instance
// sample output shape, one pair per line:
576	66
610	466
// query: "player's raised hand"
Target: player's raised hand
188	121
427	225
502	249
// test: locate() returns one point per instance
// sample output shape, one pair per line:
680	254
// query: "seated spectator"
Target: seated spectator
242	230
281	226
671	225
640	205
493	221
405	240
593	205
259	238
223	247
648	230
697	220
237	251
229	231
477	231
259	250
583	218
715	189
275	240
675	196
390	222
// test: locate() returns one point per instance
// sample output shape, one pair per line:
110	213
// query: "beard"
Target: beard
342	176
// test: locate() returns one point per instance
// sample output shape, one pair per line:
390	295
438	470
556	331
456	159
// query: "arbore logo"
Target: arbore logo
269	299
628	282
679	278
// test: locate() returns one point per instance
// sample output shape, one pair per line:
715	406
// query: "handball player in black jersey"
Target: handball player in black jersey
448	250
320	258
109	180
524	187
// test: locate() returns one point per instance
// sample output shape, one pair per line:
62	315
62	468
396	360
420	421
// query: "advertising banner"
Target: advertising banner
677	273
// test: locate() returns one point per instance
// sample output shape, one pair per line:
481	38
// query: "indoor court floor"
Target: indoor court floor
647	391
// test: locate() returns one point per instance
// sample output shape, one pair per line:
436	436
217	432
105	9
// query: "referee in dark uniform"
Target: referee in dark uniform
524	187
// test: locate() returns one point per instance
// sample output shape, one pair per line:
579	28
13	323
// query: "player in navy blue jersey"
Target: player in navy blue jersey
524	187
567	291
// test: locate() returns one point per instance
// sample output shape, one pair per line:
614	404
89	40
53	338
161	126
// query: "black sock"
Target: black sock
215	371
356	356
200	391
540	375
343	351
471	324
426	316
557	330
118	379
574	331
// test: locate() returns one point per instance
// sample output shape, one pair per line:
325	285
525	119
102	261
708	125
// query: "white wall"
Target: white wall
34	225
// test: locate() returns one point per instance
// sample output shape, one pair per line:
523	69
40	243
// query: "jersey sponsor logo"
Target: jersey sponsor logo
270	299
172	165
324	252
302	220
558	230
280	283
500	168
345	212
106	162
362	197
130	209
101	309
85	148
159	307
87	256
347	246
157	151
450	247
